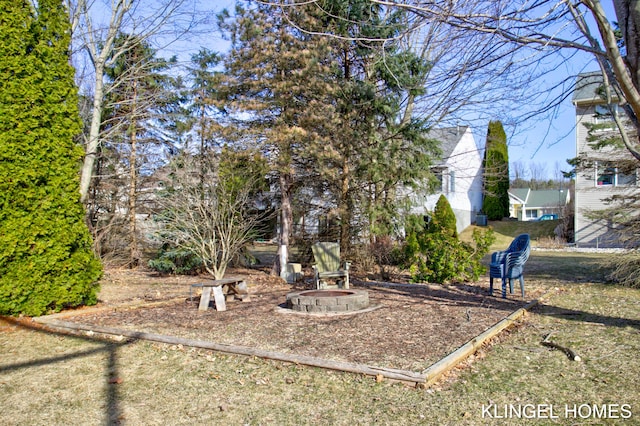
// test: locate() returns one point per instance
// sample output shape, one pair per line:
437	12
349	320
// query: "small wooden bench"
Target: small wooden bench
225	289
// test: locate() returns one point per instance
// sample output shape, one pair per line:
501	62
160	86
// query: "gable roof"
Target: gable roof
521	194
547	197
449	137
540	198
586	89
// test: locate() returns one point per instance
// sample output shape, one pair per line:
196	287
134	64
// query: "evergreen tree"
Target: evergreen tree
203	116
496	173
276	81
443	219
330	109
375	148
46	261
139	97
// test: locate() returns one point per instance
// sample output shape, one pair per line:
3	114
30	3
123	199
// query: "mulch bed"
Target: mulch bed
415	326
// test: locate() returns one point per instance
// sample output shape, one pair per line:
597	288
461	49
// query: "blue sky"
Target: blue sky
550	139
547	141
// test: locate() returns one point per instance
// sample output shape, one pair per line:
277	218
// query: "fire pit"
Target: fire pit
323	301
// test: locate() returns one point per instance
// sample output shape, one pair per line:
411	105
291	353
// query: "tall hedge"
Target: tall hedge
496	173
46	261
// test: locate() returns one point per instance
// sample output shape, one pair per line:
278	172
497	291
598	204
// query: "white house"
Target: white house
603	173
526	204
459	174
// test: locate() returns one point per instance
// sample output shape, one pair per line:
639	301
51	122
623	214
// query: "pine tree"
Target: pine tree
496	173
275	78
204	117
46	261
330	109
375	146
443	219
139	93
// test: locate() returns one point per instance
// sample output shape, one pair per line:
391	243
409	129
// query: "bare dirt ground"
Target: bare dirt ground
415	325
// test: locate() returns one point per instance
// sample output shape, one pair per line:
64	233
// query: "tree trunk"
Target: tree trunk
345	208
628	14
625	68
91	148
134	255
286	219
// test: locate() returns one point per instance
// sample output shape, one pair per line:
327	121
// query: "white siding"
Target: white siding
465	199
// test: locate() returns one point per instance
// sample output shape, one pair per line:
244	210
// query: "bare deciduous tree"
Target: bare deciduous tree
555	27
95	27
215	221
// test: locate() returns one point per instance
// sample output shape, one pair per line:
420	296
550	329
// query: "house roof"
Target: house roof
540	198
520	193
449	138
586	88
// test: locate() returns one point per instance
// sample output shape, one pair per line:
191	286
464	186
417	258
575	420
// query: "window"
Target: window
626	178
439	173
446	179
440	178
532	214
608	175
603	113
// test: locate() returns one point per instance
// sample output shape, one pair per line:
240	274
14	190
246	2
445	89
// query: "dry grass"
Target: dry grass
506	230
48	378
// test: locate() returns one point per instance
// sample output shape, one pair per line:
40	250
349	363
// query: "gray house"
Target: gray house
604	172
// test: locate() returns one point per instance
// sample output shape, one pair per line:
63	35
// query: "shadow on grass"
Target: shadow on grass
584	316
570	267
113	415
460	294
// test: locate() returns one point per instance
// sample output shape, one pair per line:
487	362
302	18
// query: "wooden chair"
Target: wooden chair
509	264
327	258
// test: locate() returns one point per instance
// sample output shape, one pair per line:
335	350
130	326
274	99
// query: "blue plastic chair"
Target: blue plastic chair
509	264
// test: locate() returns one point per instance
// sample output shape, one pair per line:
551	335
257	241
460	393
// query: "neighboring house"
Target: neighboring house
459	174
603	173
526	204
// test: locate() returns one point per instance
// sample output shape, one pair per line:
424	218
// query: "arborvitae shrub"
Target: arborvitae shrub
46	260
435	254
496	173
443	219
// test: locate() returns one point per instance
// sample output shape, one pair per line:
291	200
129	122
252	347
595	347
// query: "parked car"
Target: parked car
548	217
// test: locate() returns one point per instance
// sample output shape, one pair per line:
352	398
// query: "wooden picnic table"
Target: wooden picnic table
226	289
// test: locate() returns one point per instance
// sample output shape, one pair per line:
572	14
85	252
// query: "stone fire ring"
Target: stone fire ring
329	301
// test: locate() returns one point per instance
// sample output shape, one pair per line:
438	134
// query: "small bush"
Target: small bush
176	261
435	254
626	269
443	220
386	253
551	243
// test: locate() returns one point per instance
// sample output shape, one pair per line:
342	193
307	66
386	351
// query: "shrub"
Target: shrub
46	259
173	260
443	220
435	255
626	269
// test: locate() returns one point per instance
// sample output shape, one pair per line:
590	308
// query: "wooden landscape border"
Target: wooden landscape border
422	379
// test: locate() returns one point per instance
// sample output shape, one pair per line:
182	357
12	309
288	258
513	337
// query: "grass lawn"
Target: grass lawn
48	378
506	230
